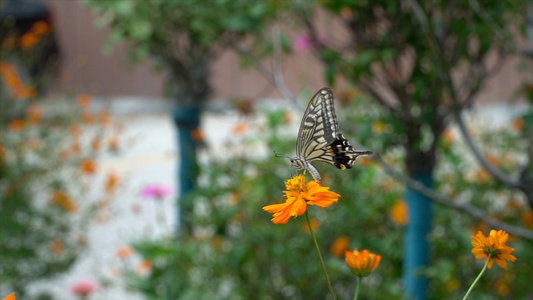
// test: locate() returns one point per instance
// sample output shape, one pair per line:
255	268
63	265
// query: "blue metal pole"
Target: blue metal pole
416	254
186	119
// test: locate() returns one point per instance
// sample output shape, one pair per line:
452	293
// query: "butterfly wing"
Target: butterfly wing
319	138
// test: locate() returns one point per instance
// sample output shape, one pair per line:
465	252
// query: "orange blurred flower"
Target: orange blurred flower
379	127
33	114
113	143
240	128
124	252
40	28
197	135
494	247
88	166
10	297
84	100
517	124
75	131
346	12
234	198
33	143
479	176
448	136
87	117
144	267
527	218
314	225
28	40
16	125
63	154
96	144
493	160
111	183
362	262
502	287
287	117
75	148
217	242
339	246
105	117
299	194
61	199
451	285
56	247
244	106
398	213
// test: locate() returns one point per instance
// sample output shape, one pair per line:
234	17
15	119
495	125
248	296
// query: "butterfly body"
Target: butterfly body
319	138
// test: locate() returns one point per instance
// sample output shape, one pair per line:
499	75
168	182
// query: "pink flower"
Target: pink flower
303	42
84	287
156	191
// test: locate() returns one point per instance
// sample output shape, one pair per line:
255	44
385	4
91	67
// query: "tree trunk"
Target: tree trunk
186	119
416	247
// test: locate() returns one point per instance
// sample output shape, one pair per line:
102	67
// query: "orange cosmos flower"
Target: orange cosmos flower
61	198
105	117
398	213
75	131
33	114
379	127
517	124
315	224
362	262
299	194
88	166
240	128
493	245
84	100
113	143
144	267
56	247
111	183
16	125
10	297
197	135
448	137
527	217
339	246
40	28
87	117
96	143
124	252
28	40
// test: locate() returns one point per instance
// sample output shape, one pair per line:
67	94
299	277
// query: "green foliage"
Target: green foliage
183	37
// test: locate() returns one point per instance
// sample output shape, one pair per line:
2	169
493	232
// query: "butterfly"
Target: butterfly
319	138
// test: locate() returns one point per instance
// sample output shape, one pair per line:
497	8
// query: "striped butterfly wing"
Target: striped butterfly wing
319	138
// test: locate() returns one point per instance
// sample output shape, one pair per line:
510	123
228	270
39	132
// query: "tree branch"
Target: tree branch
466	208
456	106
278	71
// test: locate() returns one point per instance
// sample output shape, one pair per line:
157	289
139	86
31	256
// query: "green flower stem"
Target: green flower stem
320	257
358	279
477	279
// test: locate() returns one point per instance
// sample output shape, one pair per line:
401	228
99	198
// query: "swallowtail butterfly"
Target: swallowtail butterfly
319	138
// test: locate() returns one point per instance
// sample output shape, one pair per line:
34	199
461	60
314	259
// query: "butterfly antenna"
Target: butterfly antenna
280	155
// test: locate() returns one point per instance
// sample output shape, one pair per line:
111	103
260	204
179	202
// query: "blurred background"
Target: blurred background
137	141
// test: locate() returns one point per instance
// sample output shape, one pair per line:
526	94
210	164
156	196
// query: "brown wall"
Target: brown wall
86	69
